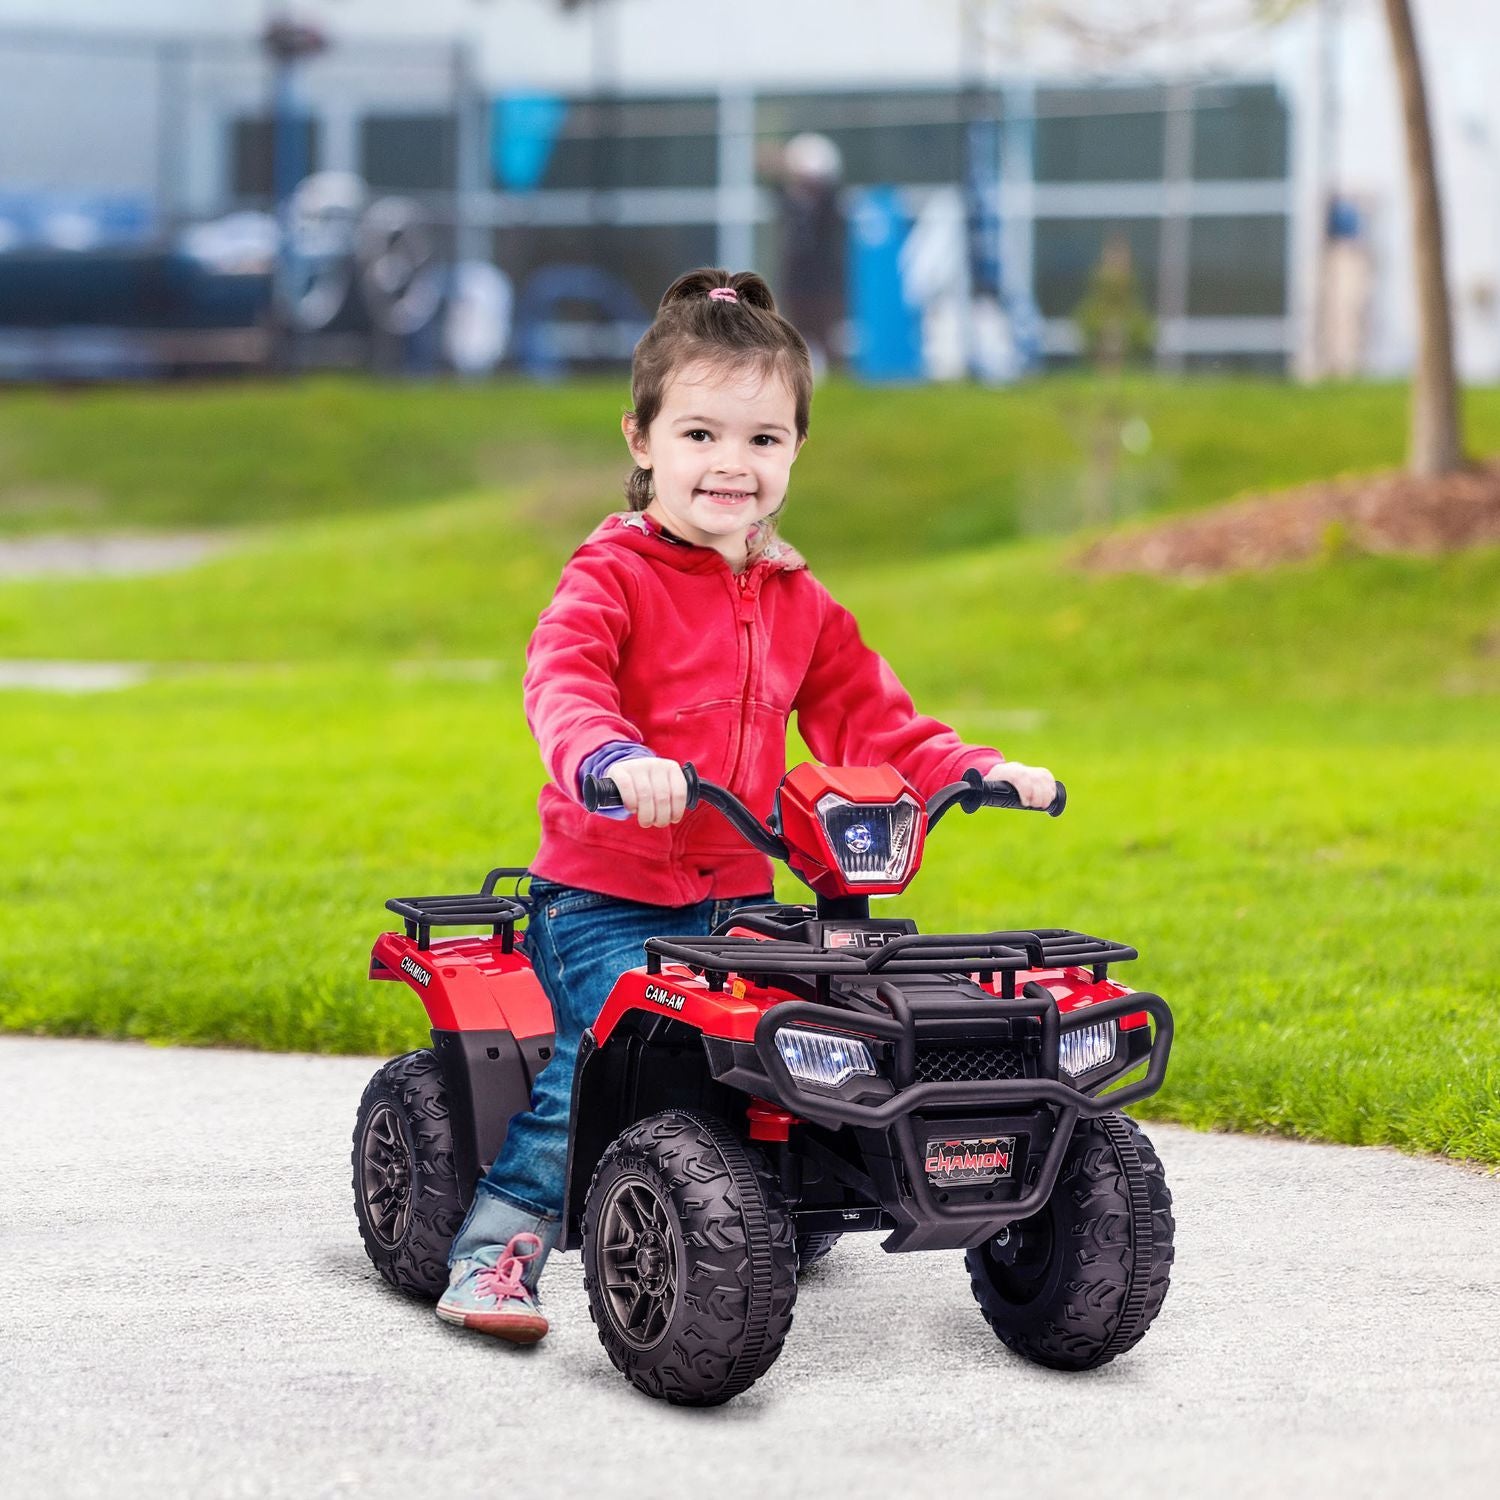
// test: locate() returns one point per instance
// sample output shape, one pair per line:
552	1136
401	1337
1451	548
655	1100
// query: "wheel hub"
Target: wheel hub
385	1176
1019	1256
653	1262
637	1262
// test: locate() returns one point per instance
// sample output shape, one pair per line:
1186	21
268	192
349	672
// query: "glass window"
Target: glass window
1100	135
1239	132
1067	250
251	163
636	142
407	153
1239	363
1237	266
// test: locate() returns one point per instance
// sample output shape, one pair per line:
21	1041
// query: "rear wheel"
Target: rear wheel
405	1187
688	1259
1080	1282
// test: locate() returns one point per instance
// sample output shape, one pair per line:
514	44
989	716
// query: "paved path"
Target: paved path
187	1312
105	554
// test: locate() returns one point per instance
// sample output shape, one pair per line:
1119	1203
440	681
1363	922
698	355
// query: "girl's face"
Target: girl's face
720	453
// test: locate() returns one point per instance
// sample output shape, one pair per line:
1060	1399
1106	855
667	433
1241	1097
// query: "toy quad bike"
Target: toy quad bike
744	1099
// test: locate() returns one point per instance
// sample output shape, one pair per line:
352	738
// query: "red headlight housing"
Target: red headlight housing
852	830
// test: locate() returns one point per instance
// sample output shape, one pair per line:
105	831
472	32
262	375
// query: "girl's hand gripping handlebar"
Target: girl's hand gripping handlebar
996	792
600	791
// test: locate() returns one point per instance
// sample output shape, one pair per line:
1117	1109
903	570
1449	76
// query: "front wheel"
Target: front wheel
688	1259
1081	1281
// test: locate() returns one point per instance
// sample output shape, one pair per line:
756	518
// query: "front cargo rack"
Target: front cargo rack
1062	949
982	954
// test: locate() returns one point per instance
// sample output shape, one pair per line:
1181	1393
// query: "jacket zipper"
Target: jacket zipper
748	598
745	602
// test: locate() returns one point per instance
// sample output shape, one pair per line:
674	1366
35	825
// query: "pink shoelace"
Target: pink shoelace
503	1279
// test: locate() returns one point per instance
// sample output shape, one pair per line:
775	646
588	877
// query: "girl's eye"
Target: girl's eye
765	439
699	434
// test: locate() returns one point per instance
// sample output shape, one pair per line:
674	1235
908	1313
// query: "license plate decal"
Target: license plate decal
969	1161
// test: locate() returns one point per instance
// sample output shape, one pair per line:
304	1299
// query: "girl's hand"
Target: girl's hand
1034	784
655	790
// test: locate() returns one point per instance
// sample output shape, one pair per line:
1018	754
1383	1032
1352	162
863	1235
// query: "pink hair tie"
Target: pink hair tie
723	294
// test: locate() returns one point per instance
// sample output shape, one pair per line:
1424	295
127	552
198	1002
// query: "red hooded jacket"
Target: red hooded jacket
654	640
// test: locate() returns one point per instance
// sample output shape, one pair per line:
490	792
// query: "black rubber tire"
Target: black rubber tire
736	1262
1101	1254
410	1090
813	1247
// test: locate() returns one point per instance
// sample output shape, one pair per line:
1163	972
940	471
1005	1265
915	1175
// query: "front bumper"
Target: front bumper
1038	1111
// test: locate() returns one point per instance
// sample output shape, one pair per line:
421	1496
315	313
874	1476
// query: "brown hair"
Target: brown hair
690	328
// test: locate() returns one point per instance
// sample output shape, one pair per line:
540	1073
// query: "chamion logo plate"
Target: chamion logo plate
969	1161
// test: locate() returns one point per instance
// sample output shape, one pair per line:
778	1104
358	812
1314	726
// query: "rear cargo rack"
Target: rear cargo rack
423	913
983	954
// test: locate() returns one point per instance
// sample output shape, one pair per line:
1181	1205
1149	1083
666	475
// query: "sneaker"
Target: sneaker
494	1299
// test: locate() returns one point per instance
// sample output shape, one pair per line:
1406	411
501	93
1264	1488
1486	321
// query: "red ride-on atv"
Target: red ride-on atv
744	1099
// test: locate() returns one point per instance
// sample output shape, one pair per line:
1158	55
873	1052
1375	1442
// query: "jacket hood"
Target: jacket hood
640	533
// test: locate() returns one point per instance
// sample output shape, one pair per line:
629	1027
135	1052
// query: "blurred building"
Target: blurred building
592	151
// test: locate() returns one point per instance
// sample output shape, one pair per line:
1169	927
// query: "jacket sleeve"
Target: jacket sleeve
853	711
571	694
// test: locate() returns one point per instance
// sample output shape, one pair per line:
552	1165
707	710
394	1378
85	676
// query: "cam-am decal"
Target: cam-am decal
971	1160
417	972
669	998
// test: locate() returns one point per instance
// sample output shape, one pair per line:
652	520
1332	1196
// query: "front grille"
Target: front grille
969	1062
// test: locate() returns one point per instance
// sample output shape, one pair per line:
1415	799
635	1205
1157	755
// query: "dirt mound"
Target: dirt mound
1393	512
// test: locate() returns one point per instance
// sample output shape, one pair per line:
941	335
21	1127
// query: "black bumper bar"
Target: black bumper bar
930	1218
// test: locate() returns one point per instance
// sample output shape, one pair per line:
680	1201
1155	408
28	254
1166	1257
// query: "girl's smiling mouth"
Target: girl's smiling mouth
726	497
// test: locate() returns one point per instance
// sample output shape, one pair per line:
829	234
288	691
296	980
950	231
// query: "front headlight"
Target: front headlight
1084	1047
823	1057
872	842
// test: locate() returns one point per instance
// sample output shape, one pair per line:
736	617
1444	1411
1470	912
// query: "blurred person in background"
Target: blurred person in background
812	244
1348	272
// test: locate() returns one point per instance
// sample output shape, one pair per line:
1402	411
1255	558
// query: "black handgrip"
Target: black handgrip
600	791
1002	794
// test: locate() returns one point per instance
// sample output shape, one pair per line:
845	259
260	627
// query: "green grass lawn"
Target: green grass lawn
1285	787
967	465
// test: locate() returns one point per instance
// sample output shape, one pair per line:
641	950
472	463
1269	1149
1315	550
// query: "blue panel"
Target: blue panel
887	329
523	130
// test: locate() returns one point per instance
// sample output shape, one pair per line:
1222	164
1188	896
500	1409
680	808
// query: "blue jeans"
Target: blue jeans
579	943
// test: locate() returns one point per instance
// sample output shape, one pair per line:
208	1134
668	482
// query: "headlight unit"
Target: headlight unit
1082	1048
823	1057
872	842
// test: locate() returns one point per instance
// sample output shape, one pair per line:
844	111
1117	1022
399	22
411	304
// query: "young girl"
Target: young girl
682	629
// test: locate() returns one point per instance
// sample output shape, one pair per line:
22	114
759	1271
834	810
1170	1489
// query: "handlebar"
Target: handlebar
1003	794
972	793
600	791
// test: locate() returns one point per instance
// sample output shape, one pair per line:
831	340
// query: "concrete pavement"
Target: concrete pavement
187	1310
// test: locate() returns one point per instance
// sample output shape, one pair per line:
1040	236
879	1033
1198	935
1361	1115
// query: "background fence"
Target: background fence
113	146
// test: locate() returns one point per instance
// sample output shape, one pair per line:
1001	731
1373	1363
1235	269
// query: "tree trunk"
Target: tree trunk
1436	441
